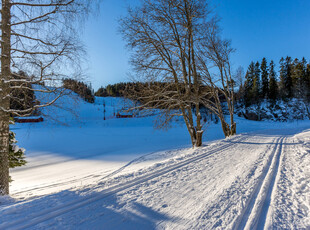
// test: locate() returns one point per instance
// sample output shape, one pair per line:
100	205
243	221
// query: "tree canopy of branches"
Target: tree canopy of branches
176	42
40	38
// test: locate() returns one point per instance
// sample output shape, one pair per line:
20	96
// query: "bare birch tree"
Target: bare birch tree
216	72
37	37
168	39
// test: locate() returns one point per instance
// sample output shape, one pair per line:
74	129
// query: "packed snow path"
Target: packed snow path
251	181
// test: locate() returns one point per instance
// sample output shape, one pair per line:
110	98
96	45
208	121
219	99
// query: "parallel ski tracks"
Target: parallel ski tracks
256	209
51	213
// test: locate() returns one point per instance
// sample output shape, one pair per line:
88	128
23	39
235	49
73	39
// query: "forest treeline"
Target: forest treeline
85	91
114	90
262	81
134	90
23	97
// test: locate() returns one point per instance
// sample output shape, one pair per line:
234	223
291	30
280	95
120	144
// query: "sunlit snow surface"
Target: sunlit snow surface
84	172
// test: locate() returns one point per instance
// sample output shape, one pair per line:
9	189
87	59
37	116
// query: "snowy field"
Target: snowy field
90	173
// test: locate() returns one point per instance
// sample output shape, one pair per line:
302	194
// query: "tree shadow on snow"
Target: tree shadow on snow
73	210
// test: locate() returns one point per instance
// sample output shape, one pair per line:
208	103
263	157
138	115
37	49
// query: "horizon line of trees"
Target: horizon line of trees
113	90
262	81
85	91
125	89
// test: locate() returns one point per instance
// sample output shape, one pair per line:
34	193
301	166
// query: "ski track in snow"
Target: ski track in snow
256	209
291	206
54	212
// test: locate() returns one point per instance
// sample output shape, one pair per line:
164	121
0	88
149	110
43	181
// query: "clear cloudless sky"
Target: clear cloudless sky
257	29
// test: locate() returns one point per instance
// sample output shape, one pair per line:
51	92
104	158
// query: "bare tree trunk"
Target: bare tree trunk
233	126
225	126
199	138
4	153
4	92
193	137
228	130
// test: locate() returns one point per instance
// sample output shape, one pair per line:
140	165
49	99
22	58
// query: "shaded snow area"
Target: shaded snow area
123	174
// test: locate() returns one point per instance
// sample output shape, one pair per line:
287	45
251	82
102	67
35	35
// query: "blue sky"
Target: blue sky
261	28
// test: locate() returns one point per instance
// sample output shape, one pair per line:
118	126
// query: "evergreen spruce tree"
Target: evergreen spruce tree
264	75
256	84
282	73
289	83
248	85
16	154
273	86
286	82
257	90
305	80
239	78
308	83
298	77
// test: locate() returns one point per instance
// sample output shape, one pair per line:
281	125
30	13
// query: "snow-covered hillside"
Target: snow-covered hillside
123	174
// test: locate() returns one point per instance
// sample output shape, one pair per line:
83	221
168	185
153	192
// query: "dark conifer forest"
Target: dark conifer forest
263	82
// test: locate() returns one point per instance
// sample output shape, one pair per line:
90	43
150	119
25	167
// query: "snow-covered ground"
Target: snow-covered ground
123	174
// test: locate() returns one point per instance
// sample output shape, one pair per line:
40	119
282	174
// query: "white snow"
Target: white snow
123	174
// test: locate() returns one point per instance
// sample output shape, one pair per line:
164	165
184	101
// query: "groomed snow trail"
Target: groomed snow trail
251	181
290	203
255	211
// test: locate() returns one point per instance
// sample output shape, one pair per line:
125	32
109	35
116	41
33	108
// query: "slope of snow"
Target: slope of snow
122	174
